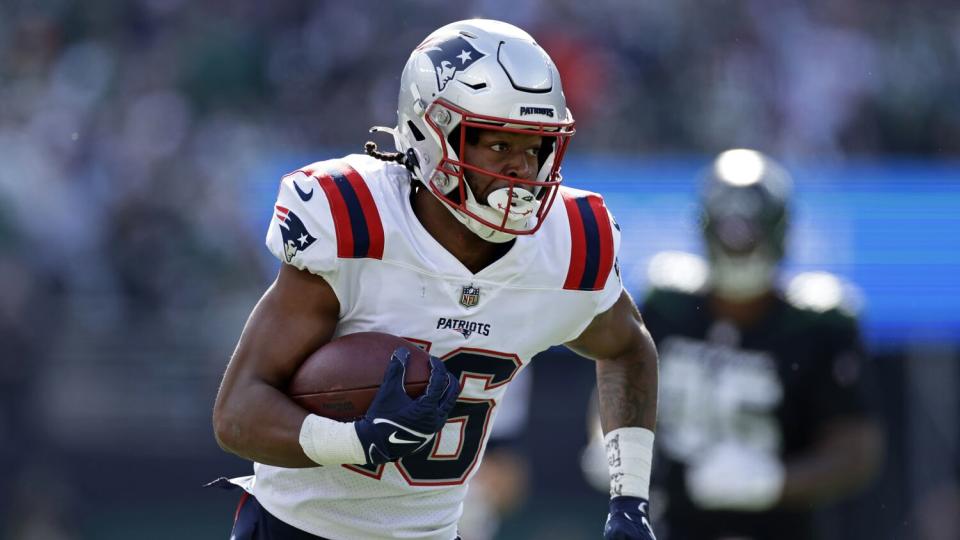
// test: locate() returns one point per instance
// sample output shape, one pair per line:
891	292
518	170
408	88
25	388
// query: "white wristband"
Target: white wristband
629	457
329	442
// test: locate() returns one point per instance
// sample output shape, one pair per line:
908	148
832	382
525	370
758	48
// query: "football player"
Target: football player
465	243
762	412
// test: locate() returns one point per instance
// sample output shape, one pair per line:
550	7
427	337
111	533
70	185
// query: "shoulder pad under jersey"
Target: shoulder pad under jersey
594	240
677	271
325	211
821	292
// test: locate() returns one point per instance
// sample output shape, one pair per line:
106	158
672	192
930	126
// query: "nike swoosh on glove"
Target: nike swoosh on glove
628	520
395	424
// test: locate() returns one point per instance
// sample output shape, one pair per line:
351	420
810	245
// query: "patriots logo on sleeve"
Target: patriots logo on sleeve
296	238
449	56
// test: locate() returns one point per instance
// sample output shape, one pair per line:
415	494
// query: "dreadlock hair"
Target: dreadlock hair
371	149
409	160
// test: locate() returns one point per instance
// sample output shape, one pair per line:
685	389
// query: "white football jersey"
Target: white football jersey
350	221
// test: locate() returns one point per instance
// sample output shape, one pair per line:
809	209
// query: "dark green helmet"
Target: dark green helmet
744	203
744	215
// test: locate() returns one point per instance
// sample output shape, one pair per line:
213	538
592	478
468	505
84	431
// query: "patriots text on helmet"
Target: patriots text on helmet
544	111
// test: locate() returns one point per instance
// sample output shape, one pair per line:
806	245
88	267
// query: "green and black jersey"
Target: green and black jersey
772	386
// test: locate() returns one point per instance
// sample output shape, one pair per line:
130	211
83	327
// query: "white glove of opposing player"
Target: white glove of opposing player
732	476
593	462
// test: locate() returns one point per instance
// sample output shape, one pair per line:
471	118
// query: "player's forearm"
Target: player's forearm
252	417
262	424
627	388
627	399
847	456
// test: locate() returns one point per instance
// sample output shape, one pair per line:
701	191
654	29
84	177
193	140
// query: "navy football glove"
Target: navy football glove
628	520
396	425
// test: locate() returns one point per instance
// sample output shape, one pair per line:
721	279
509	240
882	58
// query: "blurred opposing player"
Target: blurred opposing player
454	242
762	413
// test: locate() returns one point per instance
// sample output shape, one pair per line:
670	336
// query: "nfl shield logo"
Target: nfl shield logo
470	296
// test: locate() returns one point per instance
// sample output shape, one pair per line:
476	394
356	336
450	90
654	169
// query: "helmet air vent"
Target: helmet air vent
528	68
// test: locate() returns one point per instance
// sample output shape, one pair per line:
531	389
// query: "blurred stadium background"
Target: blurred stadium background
141	143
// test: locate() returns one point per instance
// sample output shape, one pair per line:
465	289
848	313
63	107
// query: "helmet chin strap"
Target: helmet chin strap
398	139
741	278
481	230
522	207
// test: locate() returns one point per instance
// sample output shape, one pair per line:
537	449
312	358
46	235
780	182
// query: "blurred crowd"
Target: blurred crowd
137	139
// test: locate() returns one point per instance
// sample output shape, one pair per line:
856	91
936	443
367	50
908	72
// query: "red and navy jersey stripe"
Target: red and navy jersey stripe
591	253
355	216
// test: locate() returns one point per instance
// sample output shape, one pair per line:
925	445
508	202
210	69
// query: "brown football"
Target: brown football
341	378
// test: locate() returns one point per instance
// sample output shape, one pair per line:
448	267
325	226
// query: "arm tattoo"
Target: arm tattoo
627	389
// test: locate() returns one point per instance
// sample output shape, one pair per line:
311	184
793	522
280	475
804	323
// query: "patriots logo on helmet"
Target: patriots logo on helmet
450	56
296	238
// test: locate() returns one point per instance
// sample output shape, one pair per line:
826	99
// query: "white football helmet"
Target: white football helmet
490	75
